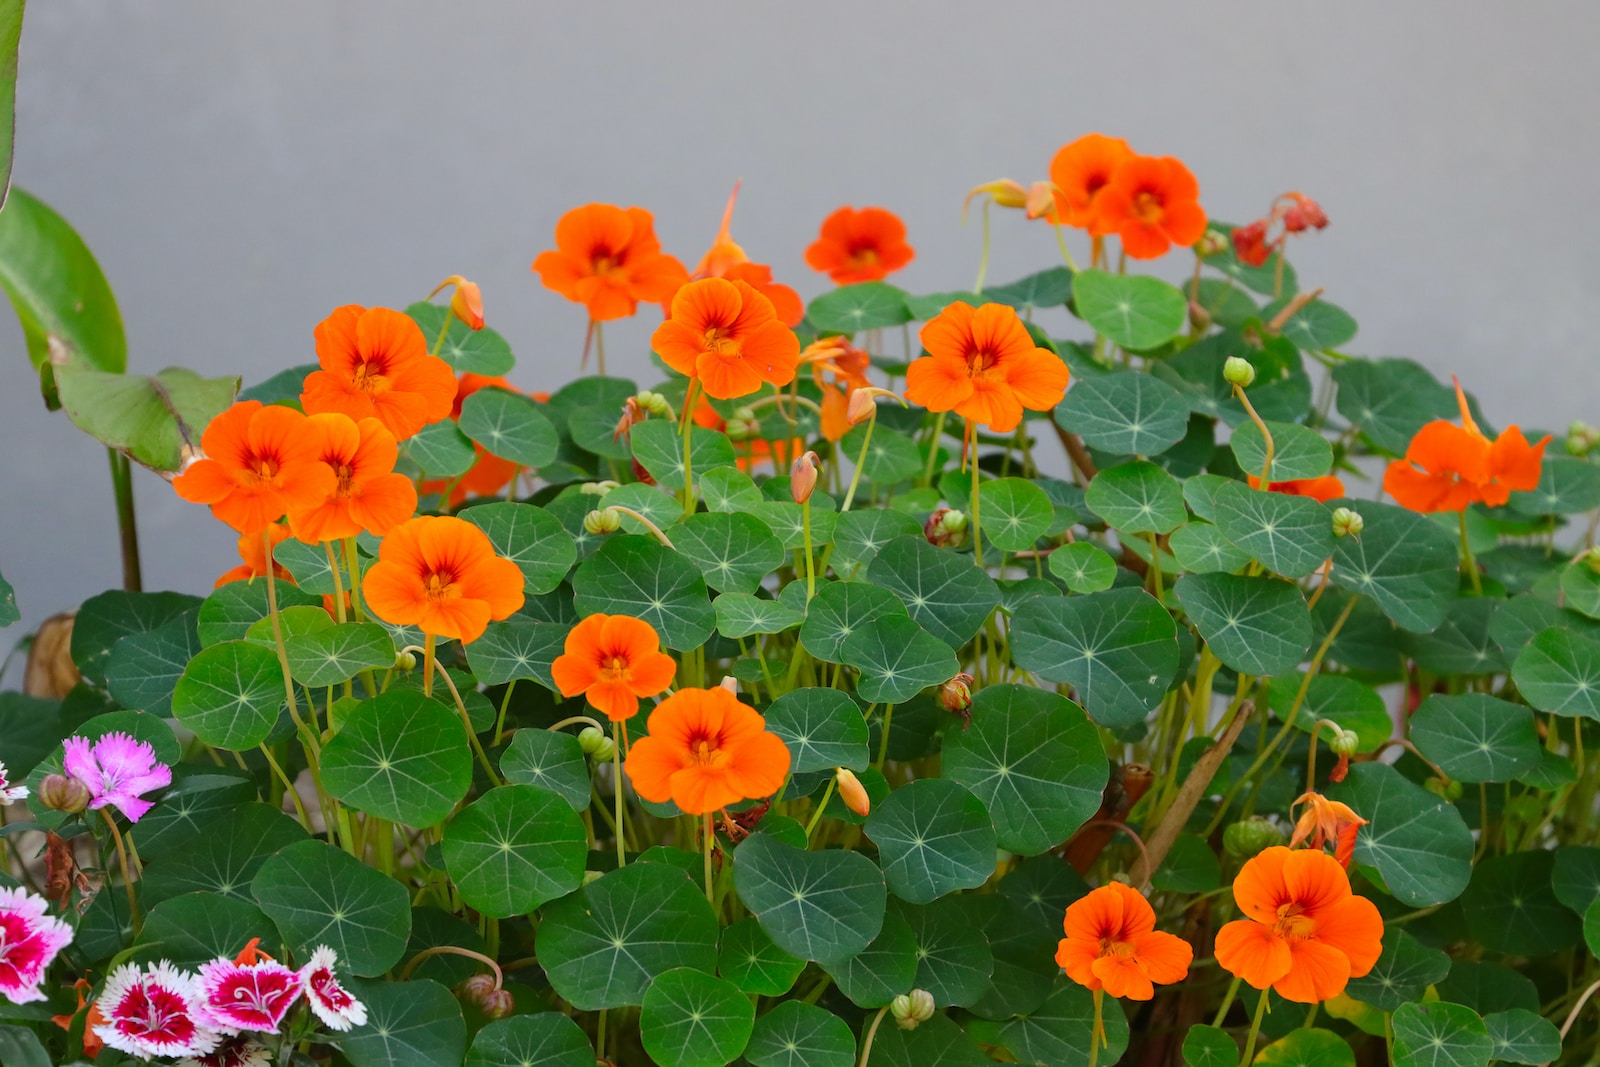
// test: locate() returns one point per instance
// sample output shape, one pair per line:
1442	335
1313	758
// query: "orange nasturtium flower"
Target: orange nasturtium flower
706	750
1449	467
1327	820
1112	943
726	336
1322	490
860	246
1152	203
259	463
441	575
608	259
254	554
847	365
466	303
1306	935
613	660
368	494
1079	171
725	259
983	365
375	365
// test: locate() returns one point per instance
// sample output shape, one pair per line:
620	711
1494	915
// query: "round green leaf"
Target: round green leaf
1474	737
743	614
1511	907
230	694
174	824
954	960
1391	399
933	837
468	351
409	1024
1014	513
321	895
1125	412
1523	1036
658	446
107	617
1290	535
1190	867
1060	1031
1083	567
1256	625
823	728
1485	987
225	855
1567	486
230	612
1046	288
1417	841
602	945
550	760
897	659
509	425
196	928
400	756
1559	671
1341	700
749	959
859	535
942	591
1406	968
728	489
890	457
1462	643
1297	452
1134	311
1307	1048
1440	1035
786	520
840	609
144	668
1408	565
594	429
547	1039
1209	1046
530	537
442	450
1137	498
935	1043
338	653
1201	548
517	647
514	848
1575	879
796	1034
1316	326
883	970
638	576
734	551
815	905
850	309
691	1019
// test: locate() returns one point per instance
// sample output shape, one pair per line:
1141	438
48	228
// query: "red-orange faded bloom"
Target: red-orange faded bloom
613	660
1449	467
1152	203
1306	934
1112	943
254	554
847	365
466	303
608	259
368	495
983	365
259	462
375	365
1327	820
860	246
441	574
1323	489
1079	171
705	750
727	336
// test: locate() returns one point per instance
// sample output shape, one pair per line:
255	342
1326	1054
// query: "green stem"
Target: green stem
883	742
1062	241
1097	1036
500	723
127	526
933	447
288	786
1266	436
444	330
710	847
1255	1029
861	460
687	418
1467	561
977	535
811	566
1227	1001
616	774
338	582
127	872
816	816
427	665
872	1032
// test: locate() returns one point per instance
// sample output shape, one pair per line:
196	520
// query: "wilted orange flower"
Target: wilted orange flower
259	463
1112	943
860	246
983	365
441	574
1152	203
1306	934
1079	171
368	495
727	336
1327	820
489	474
706	750
608	259
254	554
1449	467
613	660
1323	489
846	365
375	364
466	303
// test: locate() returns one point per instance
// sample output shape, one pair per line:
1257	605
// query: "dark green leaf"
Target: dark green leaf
897	659
691	1019
230	695
400	756
442	450
1258	626
1118	649
409	1024
1125	412
517	648
821	906
550	760
658	446
1440	1035
530	537
749	959
942	591
1137	498
144	668
1417	841
1405	563
321	895
634	575
839	610
1474	737
468	351
547	1039
849	309
734	551
514	848
933	837
796	1034
1559	672
1522	1036
1296	452
1510	906
822	727
1290	535
510	426
1406	968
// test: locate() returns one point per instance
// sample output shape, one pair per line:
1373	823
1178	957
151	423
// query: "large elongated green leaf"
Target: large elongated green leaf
149	418
1118	649
10	36
321	895
1258	625
635	575
822	906
1417	841
400	756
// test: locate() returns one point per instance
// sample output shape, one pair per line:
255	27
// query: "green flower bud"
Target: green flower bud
1210	243
596	745
1345	743
738	429
1238	372
744	414
597	488
1347	523
405	661
911	1011
600	523
1244	839
1440	787
653	402
1591	559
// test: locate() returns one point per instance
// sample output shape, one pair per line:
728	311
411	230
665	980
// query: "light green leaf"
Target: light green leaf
860	535
1522	1036
230	695
1256	625
510	426
1440	1035
1201	548
890	456
820	906
1317	326
338	653
1137	498
550	760
1083	567
1209	1046
514	848
1125	412
1297	452
728	489
749	959
691	1019
468	351
849	309
934	837
442	450
1134	311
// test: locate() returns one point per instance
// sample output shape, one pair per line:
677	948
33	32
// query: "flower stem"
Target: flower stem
816	816
861	461
127	526
277	638
710	846
1467	562
1255	1029
983	258
977	534
300	809
1061	240
872	1032
933	447
1266	436
338	582
687	418
127	872
600	348
883	742
1227	1001
352	559
811	565
444	330
1097	1037
466	719
427	665
500	722
616	776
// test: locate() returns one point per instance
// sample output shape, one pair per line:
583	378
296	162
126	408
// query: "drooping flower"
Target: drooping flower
706	750
466	303
1079	172
29	941
1449	467
367	494
258	463
1250	243
9	792
247	996
1112	943
1323	489
1292	213
860	246
839	368
329	1000
1151	203
375	364
608	259
983	365
154	1011
1327	820
254	555
118	770
1306	935
233	1052
613	661
441	574
726	336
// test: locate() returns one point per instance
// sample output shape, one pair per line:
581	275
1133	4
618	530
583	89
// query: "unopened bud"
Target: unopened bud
1304	214
653	402
1211	243
1445	788
1591	558
602	522
803	476
1239	372
1246	838
1347	522
498	1004
598	488
745	414
596	744
60	792
1250	243
911	1011
1345	743
862	406
405	661
731	684
955	696
852	792
1041	203
477	987
739	429
1003	191
946	527
466	303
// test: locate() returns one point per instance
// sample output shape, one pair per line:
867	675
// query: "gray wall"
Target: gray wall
240	169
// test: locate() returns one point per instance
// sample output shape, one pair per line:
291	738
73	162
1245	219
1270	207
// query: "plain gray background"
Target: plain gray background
242	168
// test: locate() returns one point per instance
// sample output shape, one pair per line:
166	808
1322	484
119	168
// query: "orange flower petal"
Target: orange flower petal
1355	928
1122	976
1317	972
1250	951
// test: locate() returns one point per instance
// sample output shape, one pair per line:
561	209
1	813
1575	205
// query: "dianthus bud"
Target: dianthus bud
1003	191
862	406
59	792
911	1011
476	987
1246	838
497	1004
1238	371
1347	523
852	792
946	527
596	745
602	522
653	402
598	488
405	661
1345	743
955	696
466	303
803	476
1211	242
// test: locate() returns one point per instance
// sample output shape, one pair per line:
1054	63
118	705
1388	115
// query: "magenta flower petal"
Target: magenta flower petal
29	941
239	996
154	1011
337	1009
118	770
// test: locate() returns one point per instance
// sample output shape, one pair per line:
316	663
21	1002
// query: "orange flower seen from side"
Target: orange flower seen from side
608	259
1079	171
466	302
1323	489
983	365
1306	935
726	259
726	336
1112	943
254	555
860	246
613	661
441	574
1152	203
367	495
259	463
1327	820
846	365
375	365
706	750
1449	467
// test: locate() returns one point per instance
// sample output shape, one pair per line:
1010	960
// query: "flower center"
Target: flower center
614	668
980	362
1292	924
603	262
705	753
722	341
154	1013
345	474
864	255
437	586
1148	207
263	467
371	376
